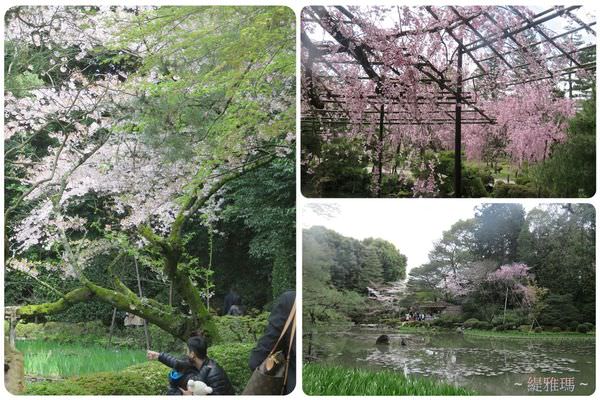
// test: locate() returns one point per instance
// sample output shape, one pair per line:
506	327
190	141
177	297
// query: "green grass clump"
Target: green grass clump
329	380
545	335
51	359
148	378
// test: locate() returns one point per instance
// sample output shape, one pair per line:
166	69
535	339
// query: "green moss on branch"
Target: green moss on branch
78	295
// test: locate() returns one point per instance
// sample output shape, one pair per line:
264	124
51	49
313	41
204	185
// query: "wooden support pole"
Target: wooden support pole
112	326
458	127
505	304
380	151
12	331
137	273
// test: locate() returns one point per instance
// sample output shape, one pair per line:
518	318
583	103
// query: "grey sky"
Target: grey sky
411	225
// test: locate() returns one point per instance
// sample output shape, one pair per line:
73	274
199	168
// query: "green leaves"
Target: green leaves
212	77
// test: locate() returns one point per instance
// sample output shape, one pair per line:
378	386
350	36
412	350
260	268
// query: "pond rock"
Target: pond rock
383	339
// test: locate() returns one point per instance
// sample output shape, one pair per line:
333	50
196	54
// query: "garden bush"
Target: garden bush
393	186
502	190
473	179
573	326
241	329
471	323
525	328
513	318
585	327
149	378
447	321
558	310
474	323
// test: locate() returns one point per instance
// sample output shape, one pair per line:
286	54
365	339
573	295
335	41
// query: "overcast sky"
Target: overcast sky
411	225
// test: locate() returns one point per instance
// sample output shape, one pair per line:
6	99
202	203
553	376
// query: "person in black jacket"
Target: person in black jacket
279	314
197	367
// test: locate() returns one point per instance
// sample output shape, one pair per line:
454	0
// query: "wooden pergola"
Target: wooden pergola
452	104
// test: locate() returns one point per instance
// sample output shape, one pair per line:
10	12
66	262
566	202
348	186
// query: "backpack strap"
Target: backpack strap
287	358
291	318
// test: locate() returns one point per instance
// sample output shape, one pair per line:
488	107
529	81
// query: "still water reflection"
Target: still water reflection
489	366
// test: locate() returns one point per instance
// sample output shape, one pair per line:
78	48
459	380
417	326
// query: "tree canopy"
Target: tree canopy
338	270
523	259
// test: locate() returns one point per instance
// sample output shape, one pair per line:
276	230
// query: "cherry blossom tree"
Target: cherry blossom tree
183	101
387	75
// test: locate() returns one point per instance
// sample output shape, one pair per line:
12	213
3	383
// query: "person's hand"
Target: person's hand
186	392
152	355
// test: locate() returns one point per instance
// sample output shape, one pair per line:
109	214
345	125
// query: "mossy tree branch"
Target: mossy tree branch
78	295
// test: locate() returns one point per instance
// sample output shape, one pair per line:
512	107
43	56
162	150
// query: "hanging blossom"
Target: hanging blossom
427	187
516	275
530	117
509	272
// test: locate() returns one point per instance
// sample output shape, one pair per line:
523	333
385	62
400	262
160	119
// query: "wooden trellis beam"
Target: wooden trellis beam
530	45
582	24
543	34
478	44
453	36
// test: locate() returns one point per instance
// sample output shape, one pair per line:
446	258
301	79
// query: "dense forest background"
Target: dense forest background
337	271
505	267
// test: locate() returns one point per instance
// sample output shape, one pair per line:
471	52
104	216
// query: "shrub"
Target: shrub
573	325
512	318
585	327
447	321
502	190
474	323
538	329
233	357
149	378
525	328
558	310
241	329
471	323
556	329
473	179
473	183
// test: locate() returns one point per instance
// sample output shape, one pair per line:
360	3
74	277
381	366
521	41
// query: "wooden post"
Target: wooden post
505	303
137	273
112	326
12	331
458	126
380	151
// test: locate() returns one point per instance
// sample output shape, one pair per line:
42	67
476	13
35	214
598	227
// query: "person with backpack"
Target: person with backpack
278	342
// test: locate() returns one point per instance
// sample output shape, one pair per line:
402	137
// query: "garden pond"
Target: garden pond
490	366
